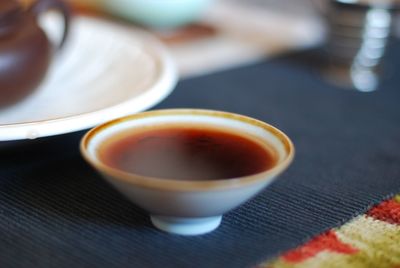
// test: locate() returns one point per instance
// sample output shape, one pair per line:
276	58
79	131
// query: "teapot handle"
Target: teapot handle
41	6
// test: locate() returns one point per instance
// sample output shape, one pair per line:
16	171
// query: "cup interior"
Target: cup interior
276	141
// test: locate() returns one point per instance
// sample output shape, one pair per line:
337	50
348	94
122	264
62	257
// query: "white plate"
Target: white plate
106	70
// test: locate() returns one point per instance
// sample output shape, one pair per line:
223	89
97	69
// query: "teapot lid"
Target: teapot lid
9	10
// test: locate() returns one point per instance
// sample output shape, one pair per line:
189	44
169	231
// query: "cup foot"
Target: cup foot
186	226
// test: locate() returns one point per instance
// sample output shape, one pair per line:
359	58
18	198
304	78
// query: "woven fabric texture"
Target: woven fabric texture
369	240
55	211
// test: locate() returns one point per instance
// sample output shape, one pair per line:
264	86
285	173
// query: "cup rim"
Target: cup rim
187	185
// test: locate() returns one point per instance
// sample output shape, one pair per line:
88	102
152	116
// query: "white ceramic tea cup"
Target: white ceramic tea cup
159	14
188	207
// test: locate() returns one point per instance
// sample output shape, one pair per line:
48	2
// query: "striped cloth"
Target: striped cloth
369	240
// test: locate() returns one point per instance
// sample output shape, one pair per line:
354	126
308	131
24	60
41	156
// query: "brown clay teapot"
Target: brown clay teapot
25	50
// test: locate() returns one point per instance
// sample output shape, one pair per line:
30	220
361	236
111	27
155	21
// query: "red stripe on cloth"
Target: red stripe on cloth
388	211
327	241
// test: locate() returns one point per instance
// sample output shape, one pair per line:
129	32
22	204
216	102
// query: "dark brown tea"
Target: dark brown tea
187	153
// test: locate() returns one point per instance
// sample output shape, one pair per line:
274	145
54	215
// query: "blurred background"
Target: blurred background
236	32
127	45
227	32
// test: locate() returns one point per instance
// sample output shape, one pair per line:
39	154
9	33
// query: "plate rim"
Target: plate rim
164	84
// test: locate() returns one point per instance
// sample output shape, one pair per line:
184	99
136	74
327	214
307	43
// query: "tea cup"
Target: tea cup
188	207
164	14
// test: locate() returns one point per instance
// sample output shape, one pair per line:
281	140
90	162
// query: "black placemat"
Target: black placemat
55	211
